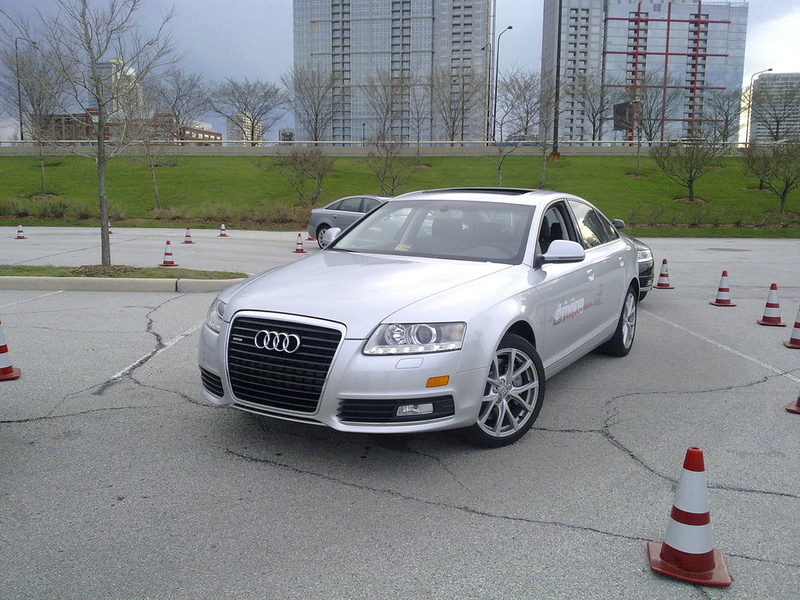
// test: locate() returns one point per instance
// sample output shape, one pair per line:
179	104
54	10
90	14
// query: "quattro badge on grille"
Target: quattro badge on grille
277	341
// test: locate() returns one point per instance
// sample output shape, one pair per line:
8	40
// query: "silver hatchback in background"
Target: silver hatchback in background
342	213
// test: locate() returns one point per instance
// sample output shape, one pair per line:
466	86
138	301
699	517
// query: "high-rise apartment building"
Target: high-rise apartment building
243	128
775	109
664	60
402	69
120	88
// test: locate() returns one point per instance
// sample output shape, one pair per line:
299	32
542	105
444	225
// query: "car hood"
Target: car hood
358	290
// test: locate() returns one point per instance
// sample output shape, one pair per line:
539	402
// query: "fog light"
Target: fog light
412	410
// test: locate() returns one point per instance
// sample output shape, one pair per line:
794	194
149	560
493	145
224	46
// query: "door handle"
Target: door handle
621	261
590	274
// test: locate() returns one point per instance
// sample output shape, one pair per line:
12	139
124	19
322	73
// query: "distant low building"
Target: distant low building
79	127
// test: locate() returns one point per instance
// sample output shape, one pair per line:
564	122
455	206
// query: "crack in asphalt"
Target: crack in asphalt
469	510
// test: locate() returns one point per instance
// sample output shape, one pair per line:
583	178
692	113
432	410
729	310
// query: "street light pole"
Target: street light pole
750	104
496	73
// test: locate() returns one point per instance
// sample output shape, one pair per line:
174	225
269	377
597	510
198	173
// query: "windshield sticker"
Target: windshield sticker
402	248
570	309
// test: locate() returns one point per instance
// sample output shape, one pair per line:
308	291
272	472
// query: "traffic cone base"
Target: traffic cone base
663	278
794	408
662	557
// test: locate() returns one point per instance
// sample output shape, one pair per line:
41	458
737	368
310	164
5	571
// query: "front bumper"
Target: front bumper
361	393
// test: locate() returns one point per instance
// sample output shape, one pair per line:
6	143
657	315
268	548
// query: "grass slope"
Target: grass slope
210	189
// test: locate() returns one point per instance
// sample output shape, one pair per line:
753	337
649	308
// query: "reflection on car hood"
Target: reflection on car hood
359	290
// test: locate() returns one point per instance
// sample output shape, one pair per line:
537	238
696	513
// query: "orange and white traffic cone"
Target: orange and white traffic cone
663	278
687	552
222	232
298	248
723	293
772	312
20	234
188	238
6	370
168	262
795	408
794	341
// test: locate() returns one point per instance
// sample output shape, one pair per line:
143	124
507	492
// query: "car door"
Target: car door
564	289
605	261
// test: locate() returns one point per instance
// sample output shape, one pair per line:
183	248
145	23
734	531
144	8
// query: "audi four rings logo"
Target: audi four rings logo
277	341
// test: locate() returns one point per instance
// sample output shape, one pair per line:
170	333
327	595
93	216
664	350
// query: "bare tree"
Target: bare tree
518	103
722	114
547	115
774	109
254	107
587	93
777	165
183	97
656	101
386	95
311	89
389	166
455	95
419	111
101	54
686	162
33	90
304	169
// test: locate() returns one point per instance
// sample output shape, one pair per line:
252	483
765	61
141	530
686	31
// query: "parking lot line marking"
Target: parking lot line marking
724	347
30	299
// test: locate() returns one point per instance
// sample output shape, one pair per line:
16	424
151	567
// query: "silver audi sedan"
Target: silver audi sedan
441	309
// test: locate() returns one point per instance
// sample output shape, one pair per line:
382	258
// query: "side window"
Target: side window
553	227
594	228
369	204
350	204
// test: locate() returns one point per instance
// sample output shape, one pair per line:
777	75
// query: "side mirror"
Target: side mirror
564	251
330	235
619	223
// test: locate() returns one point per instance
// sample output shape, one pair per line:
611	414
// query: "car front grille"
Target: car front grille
278	378
212	383
385	411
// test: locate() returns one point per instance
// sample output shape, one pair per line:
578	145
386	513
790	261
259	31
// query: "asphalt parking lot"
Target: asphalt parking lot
119	481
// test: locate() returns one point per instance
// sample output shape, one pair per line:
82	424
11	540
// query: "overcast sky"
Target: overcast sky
253	38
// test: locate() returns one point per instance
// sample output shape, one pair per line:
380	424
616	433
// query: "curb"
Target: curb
119	284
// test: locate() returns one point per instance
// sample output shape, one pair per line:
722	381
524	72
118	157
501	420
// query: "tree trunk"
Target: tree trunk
152	166
105	241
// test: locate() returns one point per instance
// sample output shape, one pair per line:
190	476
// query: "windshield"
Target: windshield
460	230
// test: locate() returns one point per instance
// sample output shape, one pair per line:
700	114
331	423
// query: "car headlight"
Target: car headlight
644	255
214	319
415	338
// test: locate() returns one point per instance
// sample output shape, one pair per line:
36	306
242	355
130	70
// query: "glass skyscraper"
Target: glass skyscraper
413	45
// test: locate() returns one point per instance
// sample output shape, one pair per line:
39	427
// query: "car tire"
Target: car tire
320	233
642	296
512	395
622	341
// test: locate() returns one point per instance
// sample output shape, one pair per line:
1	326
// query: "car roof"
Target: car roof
505	195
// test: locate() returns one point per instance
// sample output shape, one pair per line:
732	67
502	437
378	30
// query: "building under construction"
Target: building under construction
663	64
